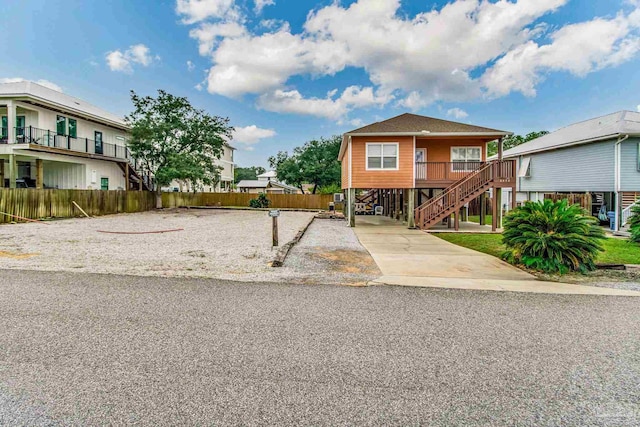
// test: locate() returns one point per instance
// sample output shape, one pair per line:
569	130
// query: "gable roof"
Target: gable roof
413	123
592	130
68	103
408	124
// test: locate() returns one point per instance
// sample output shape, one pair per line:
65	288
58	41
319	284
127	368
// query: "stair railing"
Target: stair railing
448	200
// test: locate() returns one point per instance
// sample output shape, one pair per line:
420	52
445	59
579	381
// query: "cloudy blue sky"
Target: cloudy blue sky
286	71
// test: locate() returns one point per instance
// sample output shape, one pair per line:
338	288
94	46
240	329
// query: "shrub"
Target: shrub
329	189
260	202
552	237
634	224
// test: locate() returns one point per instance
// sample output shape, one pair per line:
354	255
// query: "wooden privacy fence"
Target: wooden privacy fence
278	201
33	204
583	200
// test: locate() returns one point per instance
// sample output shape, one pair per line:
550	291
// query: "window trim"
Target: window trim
479	147
382	168
524	171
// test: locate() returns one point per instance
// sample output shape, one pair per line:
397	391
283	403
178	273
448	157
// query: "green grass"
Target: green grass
616	251
476	219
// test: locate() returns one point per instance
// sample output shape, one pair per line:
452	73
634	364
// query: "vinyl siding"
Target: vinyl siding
629	174
345	170
588	167
363	178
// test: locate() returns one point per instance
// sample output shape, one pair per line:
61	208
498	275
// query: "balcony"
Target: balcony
443	174
37	138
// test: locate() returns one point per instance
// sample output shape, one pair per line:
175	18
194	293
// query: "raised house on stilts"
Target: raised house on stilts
423	170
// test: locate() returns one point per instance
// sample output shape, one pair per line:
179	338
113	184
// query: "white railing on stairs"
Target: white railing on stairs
628	213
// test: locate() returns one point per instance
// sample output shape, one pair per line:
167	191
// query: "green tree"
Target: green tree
552	237
316	163
514	141
175	141
247	173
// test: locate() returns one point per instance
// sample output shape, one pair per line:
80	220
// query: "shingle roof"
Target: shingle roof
413	123
67	102
609	126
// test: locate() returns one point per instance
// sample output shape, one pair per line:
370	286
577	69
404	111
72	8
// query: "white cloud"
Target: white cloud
457	113
190	66
577	48
41	82
250	135
464	50
193	11
260	4
136	54
638	108
294	102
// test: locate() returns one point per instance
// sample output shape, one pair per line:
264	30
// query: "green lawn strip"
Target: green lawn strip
616	251
476	219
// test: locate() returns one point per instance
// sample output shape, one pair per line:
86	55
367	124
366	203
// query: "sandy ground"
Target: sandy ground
224	244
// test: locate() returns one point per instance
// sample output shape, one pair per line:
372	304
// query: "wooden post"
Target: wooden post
396	210
500	148
13	171
39	173
456	224
483	207
494	210
275	230
351	201
127	177
411	198
499	206
514	200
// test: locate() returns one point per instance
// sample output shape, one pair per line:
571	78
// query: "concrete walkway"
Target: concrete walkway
414	258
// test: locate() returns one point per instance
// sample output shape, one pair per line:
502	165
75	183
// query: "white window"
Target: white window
465	159
525	168
382	156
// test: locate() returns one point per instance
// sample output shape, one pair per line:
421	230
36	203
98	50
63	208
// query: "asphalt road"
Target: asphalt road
98	349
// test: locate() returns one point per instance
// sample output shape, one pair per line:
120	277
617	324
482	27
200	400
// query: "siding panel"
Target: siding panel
401	178
588	167
629	175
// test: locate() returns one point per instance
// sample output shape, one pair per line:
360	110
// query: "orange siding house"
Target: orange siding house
406	161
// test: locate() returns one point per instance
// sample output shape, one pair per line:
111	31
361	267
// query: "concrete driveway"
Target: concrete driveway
415	258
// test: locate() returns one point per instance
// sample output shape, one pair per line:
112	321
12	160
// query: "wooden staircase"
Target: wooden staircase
139	179
491	174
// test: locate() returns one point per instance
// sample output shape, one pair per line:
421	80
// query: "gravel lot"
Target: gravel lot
82	349
215	243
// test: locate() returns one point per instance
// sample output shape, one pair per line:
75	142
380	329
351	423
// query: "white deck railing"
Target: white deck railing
627	213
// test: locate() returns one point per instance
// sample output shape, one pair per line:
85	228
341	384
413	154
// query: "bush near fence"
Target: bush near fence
35	204
278	201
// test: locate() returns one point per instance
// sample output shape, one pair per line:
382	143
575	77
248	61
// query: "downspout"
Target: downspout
618	184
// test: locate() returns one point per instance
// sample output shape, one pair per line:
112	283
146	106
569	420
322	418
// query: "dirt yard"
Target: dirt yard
225	244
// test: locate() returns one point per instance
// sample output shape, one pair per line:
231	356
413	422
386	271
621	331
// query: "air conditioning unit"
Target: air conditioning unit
338	197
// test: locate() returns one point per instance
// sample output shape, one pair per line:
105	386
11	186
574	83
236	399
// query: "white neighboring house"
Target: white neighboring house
225	162
266	183
53	140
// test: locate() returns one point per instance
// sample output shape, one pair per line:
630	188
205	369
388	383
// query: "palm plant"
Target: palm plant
634	224
552	237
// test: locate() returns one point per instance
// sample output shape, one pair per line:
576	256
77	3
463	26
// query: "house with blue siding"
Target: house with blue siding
599	157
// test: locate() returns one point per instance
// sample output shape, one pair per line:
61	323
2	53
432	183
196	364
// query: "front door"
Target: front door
421	164
98	142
